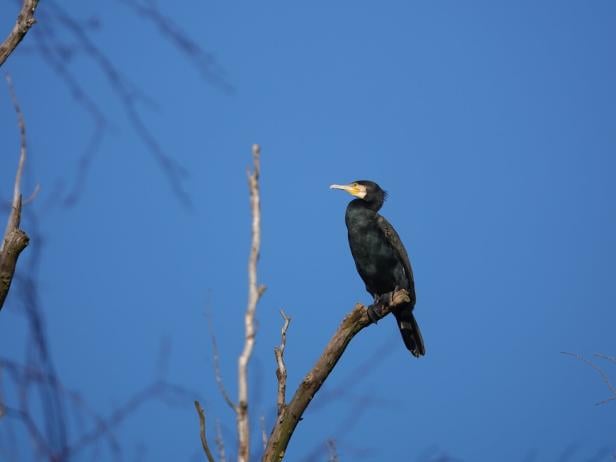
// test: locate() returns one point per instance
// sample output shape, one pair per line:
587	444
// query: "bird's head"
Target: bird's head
365	190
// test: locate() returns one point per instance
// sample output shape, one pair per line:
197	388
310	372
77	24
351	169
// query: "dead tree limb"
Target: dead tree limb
15	240
254	294
24	22
218	374
333	452
220	443
206	448
216	364
611	387
351	325
281	369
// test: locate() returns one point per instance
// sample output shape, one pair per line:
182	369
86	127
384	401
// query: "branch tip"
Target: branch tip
14	240
206	448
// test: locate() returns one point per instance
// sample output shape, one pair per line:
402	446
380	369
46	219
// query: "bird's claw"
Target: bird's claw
381	302
374	312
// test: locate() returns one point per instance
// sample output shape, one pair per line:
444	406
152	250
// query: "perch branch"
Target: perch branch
281	369
15	240
24	22
206	448
351	325
254	293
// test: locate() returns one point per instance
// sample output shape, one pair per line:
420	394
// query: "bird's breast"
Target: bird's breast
374	258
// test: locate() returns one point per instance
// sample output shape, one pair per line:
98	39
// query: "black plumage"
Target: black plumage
380	256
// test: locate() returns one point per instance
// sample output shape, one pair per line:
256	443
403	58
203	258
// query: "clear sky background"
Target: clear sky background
490	124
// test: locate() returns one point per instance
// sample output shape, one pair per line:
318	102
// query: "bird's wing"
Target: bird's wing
396	243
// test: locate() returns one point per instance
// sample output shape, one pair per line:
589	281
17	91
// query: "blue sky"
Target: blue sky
490	124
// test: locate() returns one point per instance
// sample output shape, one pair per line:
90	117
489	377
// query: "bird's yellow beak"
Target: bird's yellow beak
354	189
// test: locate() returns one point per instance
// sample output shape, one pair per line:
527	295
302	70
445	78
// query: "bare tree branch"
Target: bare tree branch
204	61
281	369
351	325
129	95
611	359
15	240
254	294
333	452
218	375
103	426
600	371
27	378
263	433
25	20
206	448
217	371
220	443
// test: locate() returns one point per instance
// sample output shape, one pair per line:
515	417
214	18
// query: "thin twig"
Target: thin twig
218	375
611	359
25	20
281	369
333	453
351	325
206	448
220	443
32	196
600	371
263	433
26	378
129	97
15	240
105	425
254	293
21	123
176	34
217	371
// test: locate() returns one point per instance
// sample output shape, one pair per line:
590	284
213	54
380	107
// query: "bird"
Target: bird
380	257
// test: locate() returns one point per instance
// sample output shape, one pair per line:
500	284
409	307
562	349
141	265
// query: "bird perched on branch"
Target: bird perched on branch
380	258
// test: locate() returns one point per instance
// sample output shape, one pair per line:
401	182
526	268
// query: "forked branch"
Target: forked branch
351	325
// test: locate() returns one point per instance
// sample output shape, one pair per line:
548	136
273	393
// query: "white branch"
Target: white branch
254	293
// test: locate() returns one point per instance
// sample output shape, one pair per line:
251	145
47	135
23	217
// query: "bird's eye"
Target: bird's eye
355	185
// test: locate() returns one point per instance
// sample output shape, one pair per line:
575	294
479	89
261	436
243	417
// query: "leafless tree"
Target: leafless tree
288	413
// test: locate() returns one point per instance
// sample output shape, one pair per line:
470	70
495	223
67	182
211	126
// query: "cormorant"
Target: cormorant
380	257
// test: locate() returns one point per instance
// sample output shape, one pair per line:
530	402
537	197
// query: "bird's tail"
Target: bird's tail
411	335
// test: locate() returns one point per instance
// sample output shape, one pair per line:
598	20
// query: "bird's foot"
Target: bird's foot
387	298
375	311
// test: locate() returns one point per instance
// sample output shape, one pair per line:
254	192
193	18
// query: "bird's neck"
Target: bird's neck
361	204
359	216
